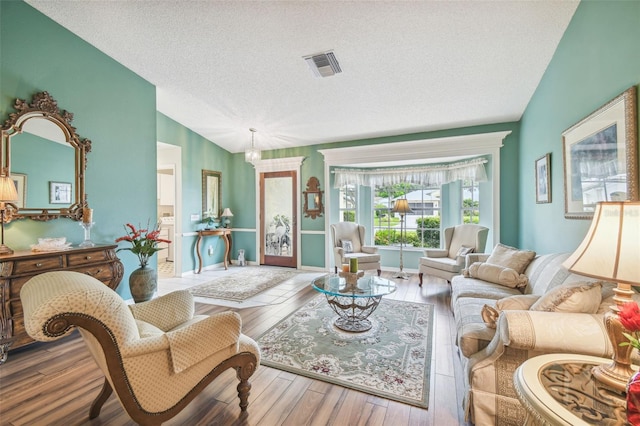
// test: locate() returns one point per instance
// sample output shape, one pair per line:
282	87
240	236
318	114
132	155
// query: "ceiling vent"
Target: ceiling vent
323	64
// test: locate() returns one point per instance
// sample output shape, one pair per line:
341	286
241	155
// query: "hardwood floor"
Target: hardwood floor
55	383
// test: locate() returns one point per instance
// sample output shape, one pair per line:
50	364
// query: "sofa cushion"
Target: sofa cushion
496	274
474	287
580	297
520	302
511	257
363	257
442	263
472	334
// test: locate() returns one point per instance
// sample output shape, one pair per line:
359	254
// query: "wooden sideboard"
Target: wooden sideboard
16	269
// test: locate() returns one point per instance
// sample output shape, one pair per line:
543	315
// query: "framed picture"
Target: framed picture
20	181
543	179
59	193
600	157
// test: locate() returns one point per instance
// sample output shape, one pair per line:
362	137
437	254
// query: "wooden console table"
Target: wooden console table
225	234
16	269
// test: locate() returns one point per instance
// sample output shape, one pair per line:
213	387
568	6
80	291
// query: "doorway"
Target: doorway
278	217
169	184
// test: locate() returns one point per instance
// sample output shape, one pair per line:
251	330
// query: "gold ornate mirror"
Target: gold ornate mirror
313	199
46	159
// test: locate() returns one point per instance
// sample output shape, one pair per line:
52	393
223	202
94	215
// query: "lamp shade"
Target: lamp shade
8	190
227	212
611	248
401	206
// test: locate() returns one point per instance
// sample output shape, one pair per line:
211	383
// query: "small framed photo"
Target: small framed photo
543	179
59	193
20	181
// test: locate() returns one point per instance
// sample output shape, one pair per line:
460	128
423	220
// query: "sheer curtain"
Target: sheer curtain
428	175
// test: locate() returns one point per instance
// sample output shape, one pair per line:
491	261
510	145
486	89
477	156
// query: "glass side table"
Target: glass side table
353	302
559	389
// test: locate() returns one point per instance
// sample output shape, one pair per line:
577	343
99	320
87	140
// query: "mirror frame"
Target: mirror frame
313	189
206	174
45	107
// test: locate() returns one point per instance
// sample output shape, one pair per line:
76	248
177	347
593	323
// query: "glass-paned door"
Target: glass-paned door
278	218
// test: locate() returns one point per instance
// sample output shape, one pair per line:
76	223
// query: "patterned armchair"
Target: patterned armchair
449	261
352	234
156	355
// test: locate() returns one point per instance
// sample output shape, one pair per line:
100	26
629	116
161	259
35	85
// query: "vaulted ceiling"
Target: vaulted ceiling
221	67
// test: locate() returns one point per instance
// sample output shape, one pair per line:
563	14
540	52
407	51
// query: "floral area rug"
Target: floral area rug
242	285
392	360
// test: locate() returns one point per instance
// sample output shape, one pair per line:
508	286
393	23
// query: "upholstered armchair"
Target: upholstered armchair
157	356
458	242
348	242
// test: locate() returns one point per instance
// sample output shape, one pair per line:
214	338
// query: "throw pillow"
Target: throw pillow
464	250
580	297
347	245
511	257
519	302
496	274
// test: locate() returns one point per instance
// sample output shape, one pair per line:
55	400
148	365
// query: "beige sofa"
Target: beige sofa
490	356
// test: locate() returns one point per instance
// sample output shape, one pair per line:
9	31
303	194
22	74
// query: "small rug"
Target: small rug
242	285
392	360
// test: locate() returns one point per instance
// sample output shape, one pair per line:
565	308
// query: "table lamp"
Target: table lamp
611	252
401	206
226	214
8	192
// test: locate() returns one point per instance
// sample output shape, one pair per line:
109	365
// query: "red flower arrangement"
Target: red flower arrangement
144	242
630	319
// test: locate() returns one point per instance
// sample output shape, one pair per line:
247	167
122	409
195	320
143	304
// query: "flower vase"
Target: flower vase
143	282
633	400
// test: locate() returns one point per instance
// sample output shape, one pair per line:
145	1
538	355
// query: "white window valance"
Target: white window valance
433	175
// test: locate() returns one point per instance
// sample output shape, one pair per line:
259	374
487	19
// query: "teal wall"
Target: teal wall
596	60
509	178
198	154
112	106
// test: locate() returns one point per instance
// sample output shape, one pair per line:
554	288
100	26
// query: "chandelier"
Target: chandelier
252	154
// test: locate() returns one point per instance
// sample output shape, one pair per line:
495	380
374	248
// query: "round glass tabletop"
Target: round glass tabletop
367	286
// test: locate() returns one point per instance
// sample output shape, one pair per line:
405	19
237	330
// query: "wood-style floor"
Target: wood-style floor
55	383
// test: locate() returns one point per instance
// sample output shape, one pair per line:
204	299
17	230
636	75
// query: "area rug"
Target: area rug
242	285
392	360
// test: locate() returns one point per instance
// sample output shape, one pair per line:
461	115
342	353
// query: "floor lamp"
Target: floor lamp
401	206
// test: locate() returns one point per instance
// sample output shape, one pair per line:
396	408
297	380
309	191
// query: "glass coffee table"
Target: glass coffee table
353	302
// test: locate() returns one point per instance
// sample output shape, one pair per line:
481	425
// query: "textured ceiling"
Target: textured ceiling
223	67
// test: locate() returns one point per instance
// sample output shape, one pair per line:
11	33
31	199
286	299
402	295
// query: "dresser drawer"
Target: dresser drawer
86	258
102	273
38	265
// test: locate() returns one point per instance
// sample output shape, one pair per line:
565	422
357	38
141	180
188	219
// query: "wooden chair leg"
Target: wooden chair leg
102	397
420	276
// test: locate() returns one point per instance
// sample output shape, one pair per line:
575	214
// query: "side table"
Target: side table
559	389
225	234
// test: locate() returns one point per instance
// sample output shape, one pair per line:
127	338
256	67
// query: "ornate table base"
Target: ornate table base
353	311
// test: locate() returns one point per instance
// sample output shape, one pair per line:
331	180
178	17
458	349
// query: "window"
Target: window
470	202
422	225
348	203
